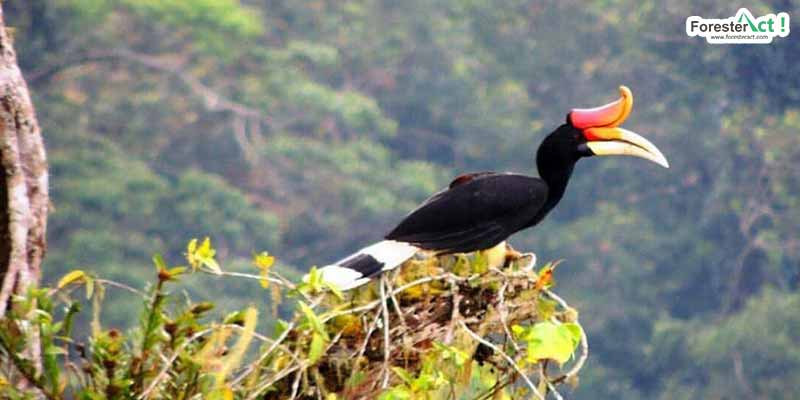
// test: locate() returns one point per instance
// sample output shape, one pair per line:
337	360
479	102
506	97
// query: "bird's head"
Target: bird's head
595	132
601	134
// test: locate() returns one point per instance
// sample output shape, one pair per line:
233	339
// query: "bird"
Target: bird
479	211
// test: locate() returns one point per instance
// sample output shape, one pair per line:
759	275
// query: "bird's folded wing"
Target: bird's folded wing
473	214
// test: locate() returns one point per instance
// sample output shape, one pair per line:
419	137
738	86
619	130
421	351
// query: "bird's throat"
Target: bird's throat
556	186
555	168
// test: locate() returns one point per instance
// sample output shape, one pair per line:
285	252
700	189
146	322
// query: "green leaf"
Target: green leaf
280	327
191	247
314	279
236	318
355	379
69	318
313	320
70	277
547	340
173	272
55	350
517	331
576	331
404	375
158	261
335	290
396	393
317	347
202	308
458	356
545	308
481	263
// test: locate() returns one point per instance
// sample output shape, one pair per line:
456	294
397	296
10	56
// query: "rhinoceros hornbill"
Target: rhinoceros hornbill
478	211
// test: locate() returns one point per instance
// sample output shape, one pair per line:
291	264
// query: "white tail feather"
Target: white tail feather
388	252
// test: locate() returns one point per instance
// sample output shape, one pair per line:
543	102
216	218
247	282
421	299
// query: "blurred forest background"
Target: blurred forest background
308	127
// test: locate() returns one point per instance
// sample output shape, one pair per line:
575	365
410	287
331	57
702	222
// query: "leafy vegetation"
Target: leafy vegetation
309	127
436	342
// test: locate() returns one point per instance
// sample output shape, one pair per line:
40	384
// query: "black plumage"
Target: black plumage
365	264
479	210
474	213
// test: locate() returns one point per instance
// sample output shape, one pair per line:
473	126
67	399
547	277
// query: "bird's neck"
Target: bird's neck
557	181
555	165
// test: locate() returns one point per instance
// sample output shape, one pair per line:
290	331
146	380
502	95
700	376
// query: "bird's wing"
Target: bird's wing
476	211
464	178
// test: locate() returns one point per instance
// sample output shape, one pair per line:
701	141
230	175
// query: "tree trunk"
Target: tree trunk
23	180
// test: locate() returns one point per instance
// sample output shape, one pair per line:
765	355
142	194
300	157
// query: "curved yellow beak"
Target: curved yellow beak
622	142
600	127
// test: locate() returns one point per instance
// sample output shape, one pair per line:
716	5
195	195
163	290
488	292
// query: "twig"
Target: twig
280	375
506	356
296	383
456	296
396	303
287	282
121	286
252	276
493	390
558	299
371	329
278	281
554	391
386	349
118	285
503	309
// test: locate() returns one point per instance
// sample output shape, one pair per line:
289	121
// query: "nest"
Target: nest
381	335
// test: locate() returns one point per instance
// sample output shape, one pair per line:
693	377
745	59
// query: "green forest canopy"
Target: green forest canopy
307	128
